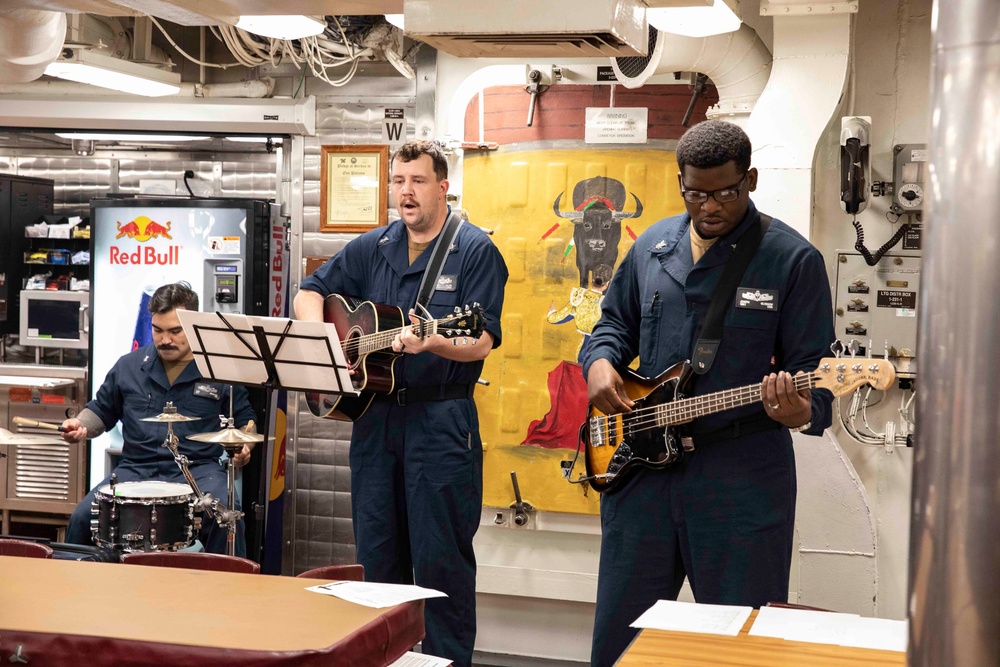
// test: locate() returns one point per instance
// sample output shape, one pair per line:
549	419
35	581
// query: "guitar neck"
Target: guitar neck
382	340
686	409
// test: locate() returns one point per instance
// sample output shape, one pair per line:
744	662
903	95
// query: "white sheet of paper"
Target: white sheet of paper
376	595
232	357
411	659
713	619
823	627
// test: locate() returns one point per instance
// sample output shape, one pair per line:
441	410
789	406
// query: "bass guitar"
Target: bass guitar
366	330
619	444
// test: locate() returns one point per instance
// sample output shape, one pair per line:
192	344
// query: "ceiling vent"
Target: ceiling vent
530	29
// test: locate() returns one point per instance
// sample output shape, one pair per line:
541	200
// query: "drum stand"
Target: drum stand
223	515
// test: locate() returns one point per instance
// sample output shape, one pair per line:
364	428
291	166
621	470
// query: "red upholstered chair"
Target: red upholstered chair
193	561
9	547
337	572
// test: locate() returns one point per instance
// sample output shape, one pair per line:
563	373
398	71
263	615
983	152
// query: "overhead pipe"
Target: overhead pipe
738	63
954	554
30	39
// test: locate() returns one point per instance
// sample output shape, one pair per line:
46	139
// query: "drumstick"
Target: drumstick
21	421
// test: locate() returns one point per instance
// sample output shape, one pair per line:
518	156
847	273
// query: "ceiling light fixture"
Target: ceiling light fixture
712	18
85	66
140	138
293	26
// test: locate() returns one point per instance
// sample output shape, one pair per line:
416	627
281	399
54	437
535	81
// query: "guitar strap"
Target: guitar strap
711	332
438	255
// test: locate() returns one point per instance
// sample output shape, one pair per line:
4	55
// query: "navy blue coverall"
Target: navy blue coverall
137	387
724	515
416	469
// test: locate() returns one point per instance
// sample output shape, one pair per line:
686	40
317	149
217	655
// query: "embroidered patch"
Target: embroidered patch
206	390
447	284
757	299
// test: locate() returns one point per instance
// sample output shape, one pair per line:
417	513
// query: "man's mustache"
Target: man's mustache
165	347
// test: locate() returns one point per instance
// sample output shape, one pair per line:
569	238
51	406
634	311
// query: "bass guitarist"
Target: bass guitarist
416	455
722	516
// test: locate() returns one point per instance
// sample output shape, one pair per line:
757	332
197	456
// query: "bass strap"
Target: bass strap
428	283
711	332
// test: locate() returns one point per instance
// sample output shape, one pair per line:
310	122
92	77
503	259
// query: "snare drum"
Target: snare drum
144	516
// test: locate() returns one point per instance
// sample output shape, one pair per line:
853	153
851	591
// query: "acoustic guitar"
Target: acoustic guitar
619	444
366	330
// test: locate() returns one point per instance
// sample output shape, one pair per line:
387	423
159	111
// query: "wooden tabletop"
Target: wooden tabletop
683	649
225	610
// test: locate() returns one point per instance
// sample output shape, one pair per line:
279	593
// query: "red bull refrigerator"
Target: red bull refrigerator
231	252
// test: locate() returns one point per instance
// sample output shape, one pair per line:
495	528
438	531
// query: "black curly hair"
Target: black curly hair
713	143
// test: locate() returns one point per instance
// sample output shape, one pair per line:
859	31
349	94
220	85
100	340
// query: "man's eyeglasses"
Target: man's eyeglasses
723	196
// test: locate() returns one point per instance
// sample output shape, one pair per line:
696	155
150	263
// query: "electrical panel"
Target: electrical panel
877	306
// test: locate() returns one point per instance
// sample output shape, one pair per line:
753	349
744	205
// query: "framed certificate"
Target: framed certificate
354	187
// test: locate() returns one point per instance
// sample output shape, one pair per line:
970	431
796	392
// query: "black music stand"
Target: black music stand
267	352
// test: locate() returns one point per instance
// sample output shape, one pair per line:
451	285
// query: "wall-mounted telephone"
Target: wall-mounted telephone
909	172
855	165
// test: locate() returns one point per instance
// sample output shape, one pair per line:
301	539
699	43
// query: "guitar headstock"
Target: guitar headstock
469	321
845	374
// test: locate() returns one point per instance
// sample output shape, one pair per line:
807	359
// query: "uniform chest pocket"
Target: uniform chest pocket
743	318
447	299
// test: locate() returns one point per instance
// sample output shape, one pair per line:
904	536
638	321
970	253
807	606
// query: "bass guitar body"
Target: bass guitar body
617	446
374	371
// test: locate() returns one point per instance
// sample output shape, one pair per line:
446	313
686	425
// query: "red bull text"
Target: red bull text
145	256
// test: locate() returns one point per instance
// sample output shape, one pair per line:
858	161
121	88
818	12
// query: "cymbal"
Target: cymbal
227	436
8	438
169	417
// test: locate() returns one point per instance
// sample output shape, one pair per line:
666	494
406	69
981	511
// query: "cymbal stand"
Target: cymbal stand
205	500
230	515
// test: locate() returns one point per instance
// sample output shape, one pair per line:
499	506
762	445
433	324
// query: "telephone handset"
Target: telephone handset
855	165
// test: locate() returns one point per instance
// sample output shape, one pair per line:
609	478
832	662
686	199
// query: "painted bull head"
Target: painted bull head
597	226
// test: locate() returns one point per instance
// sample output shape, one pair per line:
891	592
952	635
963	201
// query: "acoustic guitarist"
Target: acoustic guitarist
416	454
723	516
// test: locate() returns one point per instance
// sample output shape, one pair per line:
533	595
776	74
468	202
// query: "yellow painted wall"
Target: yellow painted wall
512	194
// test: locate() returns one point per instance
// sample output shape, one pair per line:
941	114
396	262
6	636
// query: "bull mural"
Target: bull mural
597	226
597	230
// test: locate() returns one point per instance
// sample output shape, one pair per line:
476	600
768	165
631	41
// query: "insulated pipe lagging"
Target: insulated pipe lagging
30	39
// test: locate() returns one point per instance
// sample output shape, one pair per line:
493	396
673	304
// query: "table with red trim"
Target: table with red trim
58	612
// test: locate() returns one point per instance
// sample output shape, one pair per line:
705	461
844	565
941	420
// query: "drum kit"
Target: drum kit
158	516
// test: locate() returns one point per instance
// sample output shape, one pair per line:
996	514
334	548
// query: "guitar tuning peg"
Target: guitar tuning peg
852	347
837	348
458	310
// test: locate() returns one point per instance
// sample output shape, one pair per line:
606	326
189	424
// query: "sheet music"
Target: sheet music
824	627
307	355
376	595
411	659
714	619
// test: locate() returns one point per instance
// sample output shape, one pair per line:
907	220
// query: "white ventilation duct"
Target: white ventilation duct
30	39
738	63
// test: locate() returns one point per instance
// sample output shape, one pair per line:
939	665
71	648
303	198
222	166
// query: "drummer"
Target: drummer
138	386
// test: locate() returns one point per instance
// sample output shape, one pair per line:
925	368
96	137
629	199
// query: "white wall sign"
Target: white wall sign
394	127
616	125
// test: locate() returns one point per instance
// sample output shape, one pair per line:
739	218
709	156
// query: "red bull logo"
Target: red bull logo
142	229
